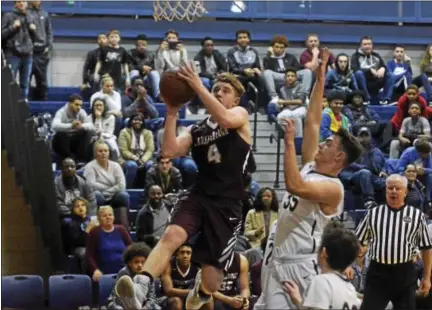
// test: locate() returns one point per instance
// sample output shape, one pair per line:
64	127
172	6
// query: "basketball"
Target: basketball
175	90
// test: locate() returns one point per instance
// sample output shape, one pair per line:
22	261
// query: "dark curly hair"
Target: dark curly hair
134	250
259	206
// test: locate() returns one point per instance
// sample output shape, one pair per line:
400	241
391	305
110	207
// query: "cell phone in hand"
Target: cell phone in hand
173	45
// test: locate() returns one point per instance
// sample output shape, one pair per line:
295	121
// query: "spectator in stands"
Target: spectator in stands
234	292
243	60
112	97
400	71
18	36
165	175
416	190
370	70
413	127
255	272
332	117
171	54
143	64
134	258
360	268
360	115
185	164
103	126
42	45
211	62
137	100
72	131
425	77
277	62
153	218
108	182
69	185
78	229
367	173
136	148
420	156
264	213
311	56
113	60
411	95
341	77
105	245
179	278
292	103
90	64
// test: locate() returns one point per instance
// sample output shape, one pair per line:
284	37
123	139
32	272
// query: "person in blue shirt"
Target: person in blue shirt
368	172
420	156
400	72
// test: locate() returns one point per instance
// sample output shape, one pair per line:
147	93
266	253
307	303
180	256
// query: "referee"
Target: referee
393	231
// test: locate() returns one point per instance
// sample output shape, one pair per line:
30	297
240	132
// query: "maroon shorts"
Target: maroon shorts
218	222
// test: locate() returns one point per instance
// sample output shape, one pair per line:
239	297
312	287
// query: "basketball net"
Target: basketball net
180	10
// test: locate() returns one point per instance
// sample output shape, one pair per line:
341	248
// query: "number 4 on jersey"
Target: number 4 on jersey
213	154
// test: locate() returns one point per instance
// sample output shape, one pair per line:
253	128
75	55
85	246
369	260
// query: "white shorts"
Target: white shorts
273	296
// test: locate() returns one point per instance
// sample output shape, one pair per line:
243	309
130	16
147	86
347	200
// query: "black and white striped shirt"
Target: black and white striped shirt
393	235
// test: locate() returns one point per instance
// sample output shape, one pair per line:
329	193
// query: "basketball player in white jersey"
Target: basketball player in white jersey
330	289
314	195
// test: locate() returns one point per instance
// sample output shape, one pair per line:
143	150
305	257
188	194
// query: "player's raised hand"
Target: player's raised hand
288	125
189	74
321	69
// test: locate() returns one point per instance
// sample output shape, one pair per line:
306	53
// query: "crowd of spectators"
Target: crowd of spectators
116	146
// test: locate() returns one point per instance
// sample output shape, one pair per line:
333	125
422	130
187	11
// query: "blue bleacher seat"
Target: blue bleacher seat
132	217
133	236
22	292
70	291
106	285
134	196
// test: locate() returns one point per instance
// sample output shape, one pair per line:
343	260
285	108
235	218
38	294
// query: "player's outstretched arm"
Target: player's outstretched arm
173	146
226	118
314	113
327	193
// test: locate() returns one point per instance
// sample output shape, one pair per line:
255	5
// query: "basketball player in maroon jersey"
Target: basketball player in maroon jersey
220	146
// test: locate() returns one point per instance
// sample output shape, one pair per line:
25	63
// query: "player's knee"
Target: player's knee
176	303
365	173
211	279
174	237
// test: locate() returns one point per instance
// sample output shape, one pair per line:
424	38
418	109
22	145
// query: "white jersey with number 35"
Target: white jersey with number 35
301	222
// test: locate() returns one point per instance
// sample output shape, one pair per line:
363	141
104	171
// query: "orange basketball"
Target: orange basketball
175	90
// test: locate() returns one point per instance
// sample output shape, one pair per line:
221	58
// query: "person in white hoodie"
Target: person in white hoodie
103	126
112	99
72	131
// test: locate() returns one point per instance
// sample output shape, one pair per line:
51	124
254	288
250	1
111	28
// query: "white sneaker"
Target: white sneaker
125	290
193	300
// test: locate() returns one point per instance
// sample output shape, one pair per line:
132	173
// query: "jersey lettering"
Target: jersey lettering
213	154
267	259
291	203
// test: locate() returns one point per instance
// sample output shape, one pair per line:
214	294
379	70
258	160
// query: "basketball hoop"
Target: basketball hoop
180	10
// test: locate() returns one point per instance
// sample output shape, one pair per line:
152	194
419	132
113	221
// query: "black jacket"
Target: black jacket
289	60
219	59
77	234
154	177
17	41
43	35
240	59
90	65
358	57
138	60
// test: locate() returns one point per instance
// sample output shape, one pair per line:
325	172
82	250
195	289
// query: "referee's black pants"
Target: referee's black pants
395	283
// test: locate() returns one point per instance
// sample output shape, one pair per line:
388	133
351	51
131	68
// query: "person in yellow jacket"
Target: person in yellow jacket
136	149
264	213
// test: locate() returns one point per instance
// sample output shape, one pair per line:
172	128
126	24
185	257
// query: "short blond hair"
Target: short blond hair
233	81
104	208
